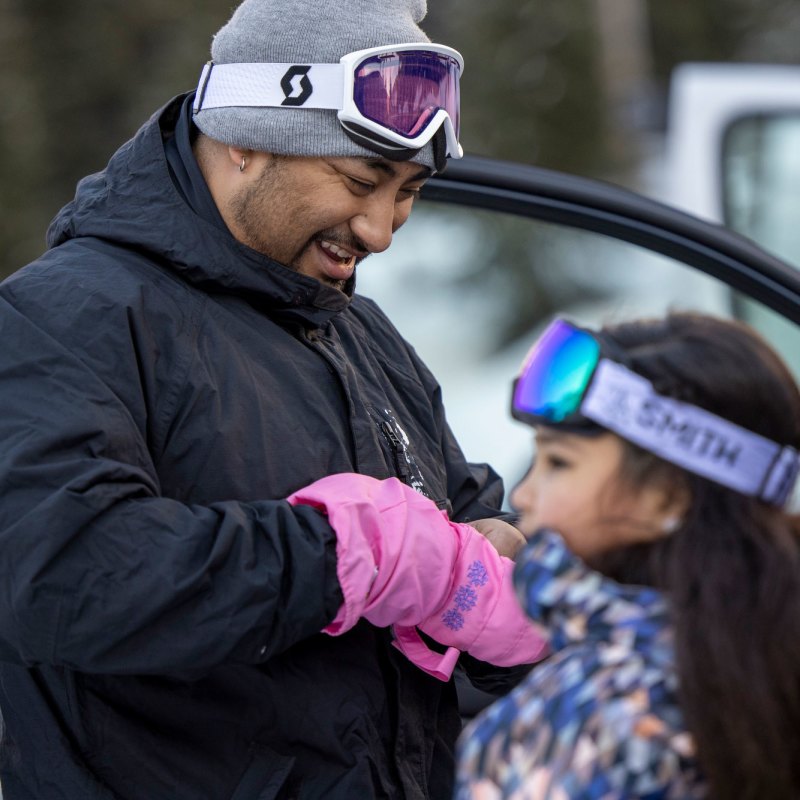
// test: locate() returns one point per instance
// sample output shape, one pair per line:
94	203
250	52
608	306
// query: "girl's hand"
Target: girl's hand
505	538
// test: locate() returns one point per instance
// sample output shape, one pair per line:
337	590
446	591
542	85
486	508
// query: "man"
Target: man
186	354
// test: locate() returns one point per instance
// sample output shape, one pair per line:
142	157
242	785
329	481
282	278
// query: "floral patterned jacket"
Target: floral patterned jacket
599	719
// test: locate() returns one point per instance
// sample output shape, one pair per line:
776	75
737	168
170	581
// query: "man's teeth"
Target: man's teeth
334	250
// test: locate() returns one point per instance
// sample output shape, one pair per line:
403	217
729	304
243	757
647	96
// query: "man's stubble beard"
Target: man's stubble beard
256	202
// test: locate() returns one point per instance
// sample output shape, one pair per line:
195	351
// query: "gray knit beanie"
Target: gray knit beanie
305	32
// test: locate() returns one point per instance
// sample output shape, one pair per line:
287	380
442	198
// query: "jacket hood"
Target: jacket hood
134	202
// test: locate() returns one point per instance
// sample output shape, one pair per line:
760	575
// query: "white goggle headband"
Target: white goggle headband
688	436
335	86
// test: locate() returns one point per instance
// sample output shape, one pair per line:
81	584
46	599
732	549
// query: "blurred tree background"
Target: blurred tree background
576	85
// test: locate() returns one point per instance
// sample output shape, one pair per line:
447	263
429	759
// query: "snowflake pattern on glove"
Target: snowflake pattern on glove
466	596
453	619
477	574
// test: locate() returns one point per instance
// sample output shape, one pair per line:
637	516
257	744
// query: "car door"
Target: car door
494	249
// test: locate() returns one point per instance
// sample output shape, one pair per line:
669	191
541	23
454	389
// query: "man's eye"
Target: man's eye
360	185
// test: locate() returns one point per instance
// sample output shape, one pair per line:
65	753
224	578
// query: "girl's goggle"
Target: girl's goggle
573	378
392	99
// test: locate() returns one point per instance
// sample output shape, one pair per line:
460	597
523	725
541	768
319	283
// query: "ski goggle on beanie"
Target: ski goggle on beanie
573	378
392	99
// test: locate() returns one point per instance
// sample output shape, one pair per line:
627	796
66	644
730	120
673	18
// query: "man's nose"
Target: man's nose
375	224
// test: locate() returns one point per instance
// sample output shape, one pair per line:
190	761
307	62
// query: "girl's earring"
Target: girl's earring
671	524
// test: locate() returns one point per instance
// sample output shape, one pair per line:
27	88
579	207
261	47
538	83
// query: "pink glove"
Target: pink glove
401	562
482	614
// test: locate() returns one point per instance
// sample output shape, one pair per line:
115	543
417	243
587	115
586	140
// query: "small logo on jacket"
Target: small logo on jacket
296	86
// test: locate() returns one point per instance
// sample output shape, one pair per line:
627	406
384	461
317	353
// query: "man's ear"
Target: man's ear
239	156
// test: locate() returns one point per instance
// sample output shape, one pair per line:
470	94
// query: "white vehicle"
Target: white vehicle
733	157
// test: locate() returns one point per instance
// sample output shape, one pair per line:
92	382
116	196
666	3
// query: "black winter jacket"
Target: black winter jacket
163	388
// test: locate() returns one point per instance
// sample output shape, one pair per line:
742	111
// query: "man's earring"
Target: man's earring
243	164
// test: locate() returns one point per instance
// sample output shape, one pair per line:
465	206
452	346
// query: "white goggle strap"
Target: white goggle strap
320	86
270	86
688	436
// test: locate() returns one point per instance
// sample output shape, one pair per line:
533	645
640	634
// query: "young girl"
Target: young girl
664	565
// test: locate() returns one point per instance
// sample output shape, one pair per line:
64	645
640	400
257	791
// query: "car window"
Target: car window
471	288
760	175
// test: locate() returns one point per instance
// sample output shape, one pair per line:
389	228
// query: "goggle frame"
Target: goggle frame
262	85
616	398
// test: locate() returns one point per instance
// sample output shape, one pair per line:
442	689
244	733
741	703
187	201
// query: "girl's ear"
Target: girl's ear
659	508
674	506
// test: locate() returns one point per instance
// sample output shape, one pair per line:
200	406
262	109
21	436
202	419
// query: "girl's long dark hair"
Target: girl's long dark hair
732	569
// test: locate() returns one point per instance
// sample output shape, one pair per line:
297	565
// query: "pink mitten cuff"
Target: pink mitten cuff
410	644
355	564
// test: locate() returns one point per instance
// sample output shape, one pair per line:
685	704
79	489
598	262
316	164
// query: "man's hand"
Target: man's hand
505	538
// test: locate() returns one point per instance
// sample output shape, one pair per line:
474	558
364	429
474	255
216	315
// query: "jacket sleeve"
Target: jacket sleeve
475	490
103	574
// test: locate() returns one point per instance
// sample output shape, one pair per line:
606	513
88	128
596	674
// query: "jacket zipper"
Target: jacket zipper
398	452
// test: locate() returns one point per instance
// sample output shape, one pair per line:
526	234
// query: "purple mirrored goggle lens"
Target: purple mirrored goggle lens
556	374
402	91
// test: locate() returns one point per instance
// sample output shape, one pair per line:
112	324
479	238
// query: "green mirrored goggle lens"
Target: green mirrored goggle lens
556	373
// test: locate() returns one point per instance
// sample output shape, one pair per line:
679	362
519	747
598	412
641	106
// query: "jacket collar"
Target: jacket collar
136	202
577	604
